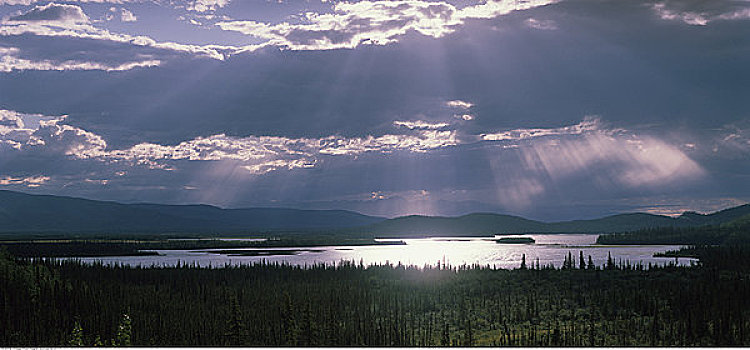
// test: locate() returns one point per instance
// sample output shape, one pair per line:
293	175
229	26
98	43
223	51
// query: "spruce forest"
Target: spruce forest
66	303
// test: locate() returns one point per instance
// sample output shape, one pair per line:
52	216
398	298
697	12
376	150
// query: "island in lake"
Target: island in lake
516	240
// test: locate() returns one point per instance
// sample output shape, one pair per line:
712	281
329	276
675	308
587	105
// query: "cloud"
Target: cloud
266	153
53	13
625	160
420	124
553	153
69	21
701	13
29	2
122	14
732	141
588	124
206	5
609	155
373	22
459	104
526	165
47	133
258	154
541	24
606	158
421	141
10	61
30	181
80	31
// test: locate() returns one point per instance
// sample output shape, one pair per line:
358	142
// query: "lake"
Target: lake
423	251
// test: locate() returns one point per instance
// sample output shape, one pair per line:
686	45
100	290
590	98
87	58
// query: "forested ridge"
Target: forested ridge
24	216
58	302
88	248
732	233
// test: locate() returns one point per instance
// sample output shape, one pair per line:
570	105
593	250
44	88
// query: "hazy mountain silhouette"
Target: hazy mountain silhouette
489	224
21	212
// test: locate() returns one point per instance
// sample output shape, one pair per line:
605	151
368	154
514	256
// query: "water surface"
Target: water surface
548	249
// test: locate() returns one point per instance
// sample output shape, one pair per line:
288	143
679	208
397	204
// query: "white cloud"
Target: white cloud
258	154
206	5
702	13
688	17
122	14
420	124
610	156
541	24
266	153
89	32
34	132
29	2
52	13
736	15
10	61
588	124
373	22
30	181
420	141
70	21
127	16
274	165
459	104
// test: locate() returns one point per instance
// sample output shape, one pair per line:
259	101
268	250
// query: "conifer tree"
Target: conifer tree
76	336
235	326
290	324
581	262
124	331
571	262
445	340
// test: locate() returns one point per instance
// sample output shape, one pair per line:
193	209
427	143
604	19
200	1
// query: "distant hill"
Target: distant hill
20	212
735	232
466	225
720	217
491	224
614	223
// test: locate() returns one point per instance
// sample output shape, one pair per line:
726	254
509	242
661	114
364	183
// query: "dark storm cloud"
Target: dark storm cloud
349	128
56	52
575	73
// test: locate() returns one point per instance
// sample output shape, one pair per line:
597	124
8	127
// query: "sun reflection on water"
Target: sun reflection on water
453	251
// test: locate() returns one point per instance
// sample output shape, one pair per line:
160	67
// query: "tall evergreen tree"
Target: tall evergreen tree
76	336
124	331
581	261
445	339
610	262
235	327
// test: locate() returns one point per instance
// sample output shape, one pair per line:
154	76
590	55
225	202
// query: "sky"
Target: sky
547	109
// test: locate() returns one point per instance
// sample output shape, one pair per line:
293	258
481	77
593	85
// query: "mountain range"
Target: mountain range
21	212
484	224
